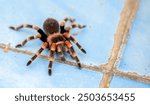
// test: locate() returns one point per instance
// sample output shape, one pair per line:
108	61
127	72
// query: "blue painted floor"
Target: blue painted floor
14	73
97	38
136	56
118	82
98	19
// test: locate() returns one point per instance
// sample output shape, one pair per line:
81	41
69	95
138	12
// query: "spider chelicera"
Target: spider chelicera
56	38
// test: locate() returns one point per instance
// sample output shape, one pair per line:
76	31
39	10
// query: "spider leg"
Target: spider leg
35	27
74	25
51	58
63	22
68	51
28	39
60	52
69	19
68	36
25	26
44	46
74	55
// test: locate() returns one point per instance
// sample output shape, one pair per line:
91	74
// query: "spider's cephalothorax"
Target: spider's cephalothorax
56	41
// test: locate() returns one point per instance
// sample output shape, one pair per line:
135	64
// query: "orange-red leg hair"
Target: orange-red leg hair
44	46
51	57
68	51
74	55
68	36
62	24
74	25
25	26
35	27
28	39
60	52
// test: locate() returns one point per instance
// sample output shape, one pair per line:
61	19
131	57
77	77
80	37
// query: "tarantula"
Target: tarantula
56	38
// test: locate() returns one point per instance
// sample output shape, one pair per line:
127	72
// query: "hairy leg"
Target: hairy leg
63	22
44	46
74	55
35	27
28	39
60	52
68	36
51	57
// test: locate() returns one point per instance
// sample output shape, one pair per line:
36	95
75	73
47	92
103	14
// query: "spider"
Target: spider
55	38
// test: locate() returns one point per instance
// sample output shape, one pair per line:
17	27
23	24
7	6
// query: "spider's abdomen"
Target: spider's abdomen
51	26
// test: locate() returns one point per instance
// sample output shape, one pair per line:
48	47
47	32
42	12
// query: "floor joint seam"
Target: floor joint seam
101	69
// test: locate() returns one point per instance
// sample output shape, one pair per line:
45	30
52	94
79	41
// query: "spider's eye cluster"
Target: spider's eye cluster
51	26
